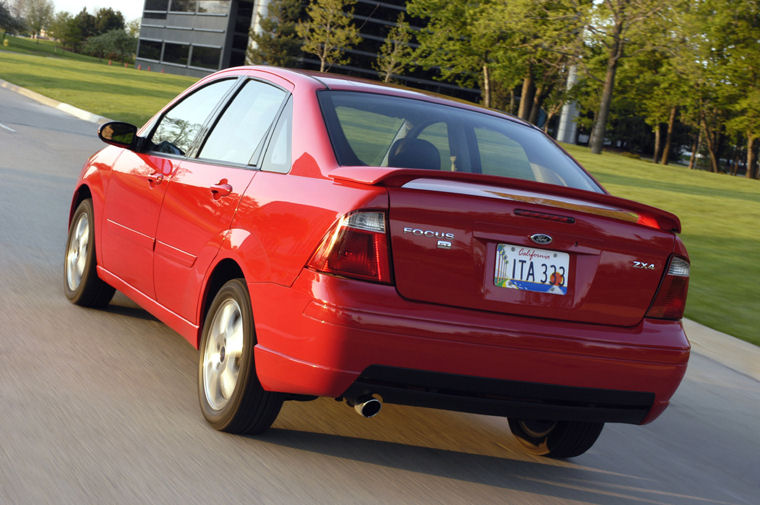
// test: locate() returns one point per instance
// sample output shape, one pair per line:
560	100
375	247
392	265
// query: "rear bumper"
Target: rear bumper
329	336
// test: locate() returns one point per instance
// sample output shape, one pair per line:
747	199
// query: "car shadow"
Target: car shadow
123	306
565	480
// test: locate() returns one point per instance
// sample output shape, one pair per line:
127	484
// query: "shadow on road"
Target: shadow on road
565	480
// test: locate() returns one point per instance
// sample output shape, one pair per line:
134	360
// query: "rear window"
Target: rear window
381	130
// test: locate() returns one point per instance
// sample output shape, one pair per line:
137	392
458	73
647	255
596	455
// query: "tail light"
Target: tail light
357	246
670	300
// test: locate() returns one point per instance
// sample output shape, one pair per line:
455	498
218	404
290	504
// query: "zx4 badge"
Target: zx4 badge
643	265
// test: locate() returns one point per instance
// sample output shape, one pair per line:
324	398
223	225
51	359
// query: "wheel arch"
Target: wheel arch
82	193
226	270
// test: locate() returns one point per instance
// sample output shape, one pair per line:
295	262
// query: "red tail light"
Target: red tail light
670	300
357	246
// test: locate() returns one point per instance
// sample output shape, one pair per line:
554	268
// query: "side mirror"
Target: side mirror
118	134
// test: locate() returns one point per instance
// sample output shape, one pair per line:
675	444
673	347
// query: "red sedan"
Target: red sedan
315	235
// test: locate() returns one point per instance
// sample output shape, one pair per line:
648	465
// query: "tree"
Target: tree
8	22
107	20
328	32
277	43
133	28
114	44
38	14
461	40
395	54
616	24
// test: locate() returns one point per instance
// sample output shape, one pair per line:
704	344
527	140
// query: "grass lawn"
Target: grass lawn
720	214
125	94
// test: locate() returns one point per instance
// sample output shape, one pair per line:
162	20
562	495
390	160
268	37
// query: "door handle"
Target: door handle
220	189
155	178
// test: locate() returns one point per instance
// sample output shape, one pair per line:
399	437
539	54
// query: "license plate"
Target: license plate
529	269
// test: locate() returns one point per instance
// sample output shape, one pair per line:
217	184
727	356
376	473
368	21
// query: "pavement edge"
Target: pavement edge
63	107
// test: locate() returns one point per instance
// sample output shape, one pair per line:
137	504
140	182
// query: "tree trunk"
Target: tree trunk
695	147
486	87
538	99
711	147
656	154
616	52
526	97
512	101
669	135
751	170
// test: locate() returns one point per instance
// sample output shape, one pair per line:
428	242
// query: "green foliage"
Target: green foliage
107	20
395	55
329	32
278	43
9	23
115	44
37	14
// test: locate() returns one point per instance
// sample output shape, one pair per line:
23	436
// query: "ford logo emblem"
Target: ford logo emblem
541	239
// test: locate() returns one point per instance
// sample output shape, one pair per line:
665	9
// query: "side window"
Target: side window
438	135
240	132
277	158
500	155
180	127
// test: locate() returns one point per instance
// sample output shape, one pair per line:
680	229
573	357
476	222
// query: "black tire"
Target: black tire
81	283
560	439
230	394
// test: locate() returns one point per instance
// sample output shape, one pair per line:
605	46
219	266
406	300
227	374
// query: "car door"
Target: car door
204	192
138	184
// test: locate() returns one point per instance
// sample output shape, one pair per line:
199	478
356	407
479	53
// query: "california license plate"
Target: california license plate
529	269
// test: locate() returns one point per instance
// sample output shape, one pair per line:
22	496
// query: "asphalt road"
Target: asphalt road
99	406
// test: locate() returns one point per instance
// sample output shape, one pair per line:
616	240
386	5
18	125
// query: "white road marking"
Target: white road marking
7	128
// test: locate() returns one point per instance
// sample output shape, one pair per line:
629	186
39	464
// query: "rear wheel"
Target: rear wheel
81	283
555	439
231	396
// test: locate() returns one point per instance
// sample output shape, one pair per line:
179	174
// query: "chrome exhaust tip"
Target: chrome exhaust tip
366	406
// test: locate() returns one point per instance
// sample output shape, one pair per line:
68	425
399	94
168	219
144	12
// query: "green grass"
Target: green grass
124	94
720	214
720	217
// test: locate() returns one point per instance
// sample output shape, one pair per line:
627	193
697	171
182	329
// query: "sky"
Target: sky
132	9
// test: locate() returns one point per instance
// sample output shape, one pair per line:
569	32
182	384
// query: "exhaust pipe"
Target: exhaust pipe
365	406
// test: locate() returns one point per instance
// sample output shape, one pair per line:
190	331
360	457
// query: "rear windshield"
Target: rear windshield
381	130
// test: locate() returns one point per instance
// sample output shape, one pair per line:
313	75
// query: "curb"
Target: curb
63	107
729	351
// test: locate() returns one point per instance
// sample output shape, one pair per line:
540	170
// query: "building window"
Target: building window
214	6
154	15
150	50
183	5
176	53
206	57
156	5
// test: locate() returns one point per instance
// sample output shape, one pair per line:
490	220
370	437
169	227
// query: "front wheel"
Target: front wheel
231	396
80	277
555	439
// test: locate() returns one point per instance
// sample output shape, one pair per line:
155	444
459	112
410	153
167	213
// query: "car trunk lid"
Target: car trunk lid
471	242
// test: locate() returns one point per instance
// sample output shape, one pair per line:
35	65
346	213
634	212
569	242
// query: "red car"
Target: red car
316	235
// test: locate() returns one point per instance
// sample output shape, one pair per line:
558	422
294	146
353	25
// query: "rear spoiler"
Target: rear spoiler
618	208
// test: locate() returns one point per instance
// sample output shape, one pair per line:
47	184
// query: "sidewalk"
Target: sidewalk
721	347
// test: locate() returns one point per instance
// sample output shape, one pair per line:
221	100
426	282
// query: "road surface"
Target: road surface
99	406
